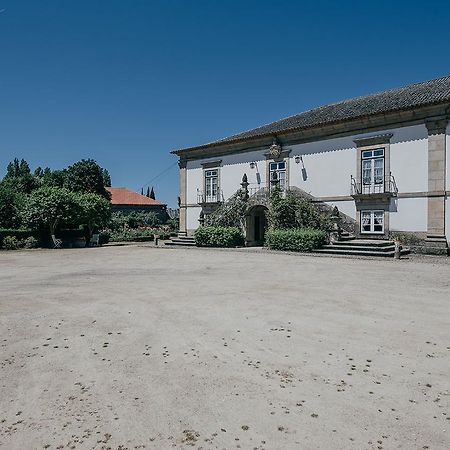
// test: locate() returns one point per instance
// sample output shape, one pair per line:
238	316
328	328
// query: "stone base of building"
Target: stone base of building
436	245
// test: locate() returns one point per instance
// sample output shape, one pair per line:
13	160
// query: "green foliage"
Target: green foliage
215	236
104	238
295	212
15	239
94	210
11	243
106	178
55	178
135	219
20	235
296	239
50	207
19	178
138	234
230	214
30	242
11	205
86	176
173	224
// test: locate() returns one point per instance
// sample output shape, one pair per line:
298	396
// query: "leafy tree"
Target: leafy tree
106	178
19	177
11	205
38	172
51	207
86	176
95	210
152	194
17	169
53	178
148	192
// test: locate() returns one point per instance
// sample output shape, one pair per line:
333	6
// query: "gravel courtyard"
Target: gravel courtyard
139	347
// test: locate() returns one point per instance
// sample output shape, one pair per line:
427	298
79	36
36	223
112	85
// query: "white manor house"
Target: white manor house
381	159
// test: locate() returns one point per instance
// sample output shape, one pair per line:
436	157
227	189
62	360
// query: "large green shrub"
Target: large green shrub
295	239
30	242
229	214
11	243
295	212
219	237
20	235
137	234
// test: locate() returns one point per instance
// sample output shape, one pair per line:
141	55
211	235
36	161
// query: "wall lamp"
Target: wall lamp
254	165
298	160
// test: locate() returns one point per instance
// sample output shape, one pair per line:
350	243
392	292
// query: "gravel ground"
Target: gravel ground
139	347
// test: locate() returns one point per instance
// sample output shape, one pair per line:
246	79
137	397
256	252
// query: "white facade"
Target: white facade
381	159
324	172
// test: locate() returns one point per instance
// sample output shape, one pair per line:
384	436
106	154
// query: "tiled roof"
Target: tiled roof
408	97
123	196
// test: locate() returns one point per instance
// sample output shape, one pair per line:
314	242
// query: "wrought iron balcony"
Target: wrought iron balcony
386	187
206	198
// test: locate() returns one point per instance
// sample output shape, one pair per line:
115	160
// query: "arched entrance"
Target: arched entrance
256	225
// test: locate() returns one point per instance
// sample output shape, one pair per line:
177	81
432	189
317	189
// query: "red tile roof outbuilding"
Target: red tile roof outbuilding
124	196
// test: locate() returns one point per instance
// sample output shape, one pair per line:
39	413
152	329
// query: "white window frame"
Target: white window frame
373	171
373	213
283	181
211	185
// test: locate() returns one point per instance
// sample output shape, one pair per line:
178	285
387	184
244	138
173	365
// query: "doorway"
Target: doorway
256	225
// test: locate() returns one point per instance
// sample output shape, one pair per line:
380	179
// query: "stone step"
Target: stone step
179	242
182	241
366	242
346	247
359	252
346	237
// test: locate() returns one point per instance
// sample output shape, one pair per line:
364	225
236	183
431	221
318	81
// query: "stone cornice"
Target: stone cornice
373	140
437	125
291	137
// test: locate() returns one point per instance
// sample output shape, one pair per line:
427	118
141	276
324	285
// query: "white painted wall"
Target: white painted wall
193	215
411	215
447	219
447	160
328	166
447	184
409	158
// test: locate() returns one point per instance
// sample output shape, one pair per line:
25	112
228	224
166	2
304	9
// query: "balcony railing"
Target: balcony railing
204	198
388	186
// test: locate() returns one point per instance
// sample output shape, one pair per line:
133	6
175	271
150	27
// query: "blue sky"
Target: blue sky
125	82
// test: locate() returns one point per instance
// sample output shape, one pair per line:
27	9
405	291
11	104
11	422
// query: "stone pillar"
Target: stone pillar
183	197
436	241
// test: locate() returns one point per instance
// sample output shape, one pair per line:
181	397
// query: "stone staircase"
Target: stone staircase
348	245
181	241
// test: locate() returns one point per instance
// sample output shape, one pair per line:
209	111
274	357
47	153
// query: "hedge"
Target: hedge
295	239
19	235
11	239
137	235
218	237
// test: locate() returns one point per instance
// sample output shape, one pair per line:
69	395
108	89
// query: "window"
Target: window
211	186
372	171
278	168
372	221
